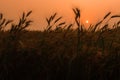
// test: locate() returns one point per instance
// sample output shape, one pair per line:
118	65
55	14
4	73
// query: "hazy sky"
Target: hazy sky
91	10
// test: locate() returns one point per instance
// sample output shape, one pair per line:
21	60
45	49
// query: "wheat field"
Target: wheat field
60	52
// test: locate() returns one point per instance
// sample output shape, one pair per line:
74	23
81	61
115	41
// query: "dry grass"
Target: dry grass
60	52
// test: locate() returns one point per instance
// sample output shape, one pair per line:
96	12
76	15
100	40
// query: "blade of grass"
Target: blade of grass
115	16
28	13
107	15
57	20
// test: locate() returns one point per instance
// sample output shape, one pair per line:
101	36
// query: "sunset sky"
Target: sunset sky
91	10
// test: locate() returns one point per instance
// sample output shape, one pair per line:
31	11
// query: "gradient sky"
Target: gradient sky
91	10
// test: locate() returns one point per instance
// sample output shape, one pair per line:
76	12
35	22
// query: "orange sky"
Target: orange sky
91	10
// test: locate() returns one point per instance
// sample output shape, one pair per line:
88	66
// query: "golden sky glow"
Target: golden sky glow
91	10
87	21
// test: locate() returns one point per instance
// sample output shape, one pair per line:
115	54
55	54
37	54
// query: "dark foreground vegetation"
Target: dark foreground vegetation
60	52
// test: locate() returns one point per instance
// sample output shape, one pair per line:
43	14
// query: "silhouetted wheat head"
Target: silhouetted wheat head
60	52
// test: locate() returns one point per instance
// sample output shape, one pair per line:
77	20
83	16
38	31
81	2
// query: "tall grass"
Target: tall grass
60	52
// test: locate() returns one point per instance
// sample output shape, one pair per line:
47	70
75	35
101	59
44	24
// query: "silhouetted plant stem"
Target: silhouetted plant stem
77	20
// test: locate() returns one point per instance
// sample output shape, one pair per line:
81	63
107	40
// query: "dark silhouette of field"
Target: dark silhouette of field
59	52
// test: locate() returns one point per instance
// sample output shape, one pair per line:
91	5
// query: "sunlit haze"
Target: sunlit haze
91	10
87	21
